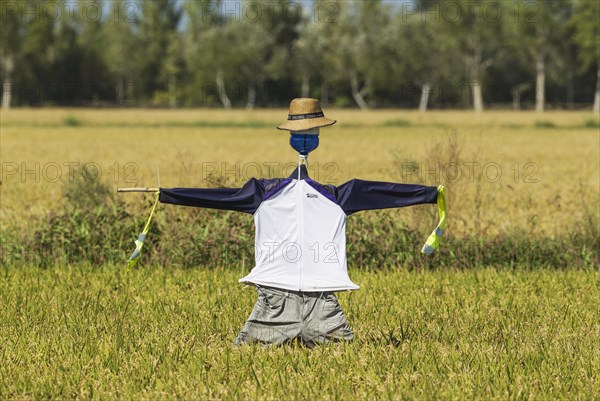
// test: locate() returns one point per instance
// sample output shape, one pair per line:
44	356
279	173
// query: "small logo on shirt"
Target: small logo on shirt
312	195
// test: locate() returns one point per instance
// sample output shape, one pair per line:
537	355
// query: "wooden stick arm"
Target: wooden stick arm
138	190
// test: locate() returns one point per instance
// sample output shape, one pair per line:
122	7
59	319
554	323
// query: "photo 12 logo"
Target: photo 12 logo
69	171
292	252
259	11
326	173
70	11
469	11
491	172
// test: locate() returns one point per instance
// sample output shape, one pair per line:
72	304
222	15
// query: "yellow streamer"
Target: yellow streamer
433	242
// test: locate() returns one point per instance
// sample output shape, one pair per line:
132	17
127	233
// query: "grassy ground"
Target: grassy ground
521	170
157	333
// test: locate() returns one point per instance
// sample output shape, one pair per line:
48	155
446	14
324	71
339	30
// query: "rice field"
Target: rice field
166	332
514	169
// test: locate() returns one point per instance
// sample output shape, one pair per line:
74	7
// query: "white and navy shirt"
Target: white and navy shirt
300	241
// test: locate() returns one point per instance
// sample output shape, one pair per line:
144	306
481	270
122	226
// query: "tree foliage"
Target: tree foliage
263	53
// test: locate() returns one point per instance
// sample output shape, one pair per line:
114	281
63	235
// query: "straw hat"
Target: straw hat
305	114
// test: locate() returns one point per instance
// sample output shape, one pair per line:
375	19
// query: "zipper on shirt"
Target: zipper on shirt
300	231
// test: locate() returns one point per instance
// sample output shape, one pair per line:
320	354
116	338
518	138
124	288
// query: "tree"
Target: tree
585	21
353	52
478	28
249	55
311	61
280	19
172	66
422	52
226	50
27	52
307	55
91	43
121	55
156	35
356	46
201	17
208	50
539	30
12	32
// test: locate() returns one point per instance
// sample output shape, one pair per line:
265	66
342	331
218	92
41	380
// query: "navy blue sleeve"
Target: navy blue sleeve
356	195
246	199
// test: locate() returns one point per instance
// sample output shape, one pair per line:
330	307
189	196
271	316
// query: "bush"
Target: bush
545	124
71	121
591	123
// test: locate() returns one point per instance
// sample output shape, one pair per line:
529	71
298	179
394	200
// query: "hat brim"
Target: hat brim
309	123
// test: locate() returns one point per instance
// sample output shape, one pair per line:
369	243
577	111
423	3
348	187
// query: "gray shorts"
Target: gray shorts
281	315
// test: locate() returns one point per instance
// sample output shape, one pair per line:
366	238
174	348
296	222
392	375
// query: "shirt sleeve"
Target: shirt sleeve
356	195
246	199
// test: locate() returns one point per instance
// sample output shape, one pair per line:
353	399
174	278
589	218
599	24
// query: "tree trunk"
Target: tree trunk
596	107
251	101
120	91
477	96
324	93
570	89
357	94
476	68
172	92
221	89
305	85
6	93
516	93
425	91
540	84
9	66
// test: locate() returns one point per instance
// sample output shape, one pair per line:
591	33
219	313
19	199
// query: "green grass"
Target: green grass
71	121
161	333
396	123
544	124
591	123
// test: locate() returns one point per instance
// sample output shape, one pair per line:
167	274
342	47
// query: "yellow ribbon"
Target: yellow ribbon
433	242
139	242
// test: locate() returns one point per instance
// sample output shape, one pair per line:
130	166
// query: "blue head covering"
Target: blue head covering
305	142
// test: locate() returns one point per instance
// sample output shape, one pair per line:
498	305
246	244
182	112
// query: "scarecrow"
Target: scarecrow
300	240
